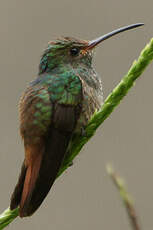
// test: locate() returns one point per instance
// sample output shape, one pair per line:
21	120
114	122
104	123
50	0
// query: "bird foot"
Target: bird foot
83	132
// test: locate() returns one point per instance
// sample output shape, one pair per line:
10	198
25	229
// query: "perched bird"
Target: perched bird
55	106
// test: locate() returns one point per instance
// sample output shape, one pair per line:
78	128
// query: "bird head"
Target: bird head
72	52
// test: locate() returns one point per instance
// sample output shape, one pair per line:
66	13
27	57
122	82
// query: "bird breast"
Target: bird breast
92	98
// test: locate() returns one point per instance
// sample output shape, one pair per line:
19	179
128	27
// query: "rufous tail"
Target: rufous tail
36	179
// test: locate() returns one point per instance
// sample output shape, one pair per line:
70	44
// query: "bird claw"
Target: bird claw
83	132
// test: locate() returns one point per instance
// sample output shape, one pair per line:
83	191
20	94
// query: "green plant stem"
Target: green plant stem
126	198
110	103
7	217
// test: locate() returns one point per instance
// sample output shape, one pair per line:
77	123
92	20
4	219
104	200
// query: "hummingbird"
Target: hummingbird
55	106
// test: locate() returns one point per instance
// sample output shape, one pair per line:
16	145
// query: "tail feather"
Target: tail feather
16	196
52	159
36	180
29	183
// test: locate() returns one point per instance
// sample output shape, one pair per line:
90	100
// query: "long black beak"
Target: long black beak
96	41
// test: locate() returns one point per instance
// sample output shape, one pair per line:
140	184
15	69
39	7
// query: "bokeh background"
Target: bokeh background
84	196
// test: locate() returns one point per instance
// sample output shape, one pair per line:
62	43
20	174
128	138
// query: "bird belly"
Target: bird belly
92	102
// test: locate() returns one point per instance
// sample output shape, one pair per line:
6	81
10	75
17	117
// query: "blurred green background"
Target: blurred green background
84	197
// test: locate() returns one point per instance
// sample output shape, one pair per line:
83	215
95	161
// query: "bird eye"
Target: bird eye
74	51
